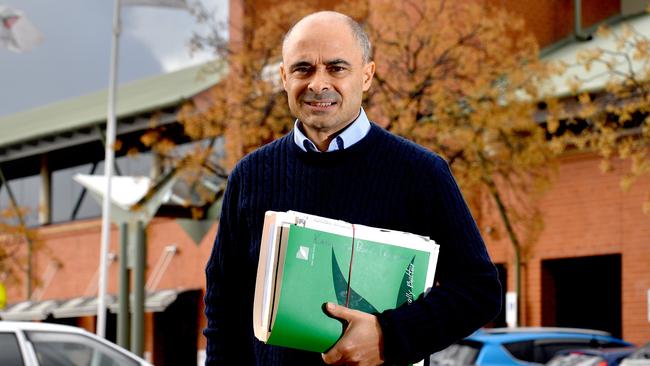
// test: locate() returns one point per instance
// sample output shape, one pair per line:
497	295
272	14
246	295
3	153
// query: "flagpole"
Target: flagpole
109	157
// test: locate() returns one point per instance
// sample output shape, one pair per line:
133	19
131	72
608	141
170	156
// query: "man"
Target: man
337	164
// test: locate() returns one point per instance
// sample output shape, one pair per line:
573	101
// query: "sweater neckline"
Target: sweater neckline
351	152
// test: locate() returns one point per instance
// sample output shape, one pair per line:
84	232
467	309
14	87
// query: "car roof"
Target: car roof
13	325
506	335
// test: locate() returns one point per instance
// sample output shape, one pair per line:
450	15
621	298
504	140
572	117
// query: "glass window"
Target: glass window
521	350
67	349
10	355
545	351
541	351
26	192
66	192
134	165
576	360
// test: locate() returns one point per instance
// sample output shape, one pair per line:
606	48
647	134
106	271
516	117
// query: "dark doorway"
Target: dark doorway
500	320
583	292
177	330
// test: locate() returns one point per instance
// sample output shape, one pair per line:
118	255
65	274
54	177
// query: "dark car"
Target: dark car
521	346
591	357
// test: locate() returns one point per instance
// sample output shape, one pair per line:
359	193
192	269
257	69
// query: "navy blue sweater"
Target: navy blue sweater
382	181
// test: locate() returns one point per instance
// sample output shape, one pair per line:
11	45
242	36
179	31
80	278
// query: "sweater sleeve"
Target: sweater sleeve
225	331
467	290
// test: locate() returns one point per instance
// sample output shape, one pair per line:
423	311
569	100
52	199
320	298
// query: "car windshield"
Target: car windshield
462	353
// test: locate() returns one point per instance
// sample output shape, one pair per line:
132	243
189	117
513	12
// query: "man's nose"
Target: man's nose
319	81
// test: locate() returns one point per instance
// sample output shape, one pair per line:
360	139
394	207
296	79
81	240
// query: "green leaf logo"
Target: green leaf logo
341	287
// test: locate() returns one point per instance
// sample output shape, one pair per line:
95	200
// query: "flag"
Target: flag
168	3
16	32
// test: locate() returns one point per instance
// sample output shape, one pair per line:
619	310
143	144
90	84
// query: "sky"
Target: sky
74	57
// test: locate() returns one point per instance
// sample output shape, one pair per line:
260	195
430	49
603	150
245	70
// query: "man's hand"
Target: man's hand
362	343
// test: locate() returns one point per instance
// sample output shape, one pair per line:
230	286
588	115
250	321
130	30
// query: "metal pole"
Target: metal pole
45	197
137	326
577	22
108	173
123	317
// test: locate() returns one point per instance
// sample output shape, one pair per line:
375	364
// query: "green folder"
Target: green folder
305	264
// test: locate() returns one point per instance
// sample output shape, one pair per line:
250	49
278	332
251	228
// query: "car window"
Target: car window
458	354
66	349
541	351
545	350
575	360
521	350
10	355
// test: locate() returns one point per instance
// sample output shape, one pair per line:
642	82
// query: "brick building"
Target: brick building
588	269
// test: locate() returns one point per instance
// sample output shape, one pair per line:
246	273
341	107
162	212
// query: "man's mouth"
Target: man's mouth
321	104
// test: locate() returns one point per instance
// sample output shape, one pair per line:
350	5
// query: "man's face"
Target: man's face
324	75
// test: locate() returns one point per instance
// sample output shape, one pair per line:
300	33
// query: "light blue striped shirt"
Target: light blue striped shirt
350	135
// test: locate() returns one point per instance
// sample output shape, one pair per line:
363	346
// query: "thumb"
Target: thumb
338	311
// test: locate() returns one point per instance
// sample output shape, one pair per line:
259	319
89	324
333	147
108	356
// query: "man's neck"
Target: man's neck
322	139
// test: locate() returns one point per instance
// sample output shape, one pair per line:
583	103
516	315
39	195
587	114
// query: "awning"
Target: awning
29	310
155	301
159	301
79	306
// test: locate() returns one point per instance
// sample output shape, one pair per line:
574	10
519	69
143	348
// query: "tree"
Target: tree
459	78
18	243
608	110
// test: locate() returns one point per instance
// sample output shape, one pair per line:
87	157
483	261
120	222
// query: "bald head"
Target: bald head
330	18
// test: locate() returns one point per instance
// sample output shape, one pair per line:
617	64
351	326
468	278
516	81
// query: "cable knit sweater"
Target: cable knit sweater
382	181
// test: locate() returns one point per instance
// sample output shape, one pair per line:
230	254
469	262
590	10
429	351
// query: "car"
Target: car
640	357
591	357
43	344
523	346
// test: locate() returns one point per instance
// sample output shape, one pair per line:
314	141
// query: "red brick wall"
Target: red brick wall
585	214
553	20
76	245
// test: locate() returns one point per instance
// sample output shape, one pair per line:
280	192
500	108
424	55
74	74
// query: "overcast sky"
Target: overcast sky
74	57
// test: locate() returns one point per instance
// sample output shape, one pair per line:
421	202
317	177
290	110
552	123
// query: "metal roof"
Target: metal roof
597	77
29	310
80	306
91	109
156	301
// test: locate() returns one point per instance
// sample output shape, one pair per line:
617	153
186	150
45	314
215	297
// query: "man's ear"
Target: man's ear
283	75
368	73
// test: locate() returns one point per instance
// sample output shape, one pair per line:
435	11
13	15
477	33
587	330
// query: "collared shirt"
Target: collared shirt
350	135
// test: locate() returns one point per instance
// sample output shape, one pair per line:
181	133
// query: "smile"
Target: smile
321	104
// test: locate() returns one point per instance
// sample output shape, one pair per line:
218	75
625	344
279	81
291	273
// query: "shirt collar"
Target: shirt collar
348	137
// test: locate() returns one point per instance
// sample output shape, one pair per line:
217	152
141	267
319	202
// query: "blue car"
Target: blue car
520	346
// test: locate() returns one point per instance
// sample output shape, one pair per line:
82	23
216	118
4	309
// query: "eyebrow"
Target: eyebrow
337	61
299	64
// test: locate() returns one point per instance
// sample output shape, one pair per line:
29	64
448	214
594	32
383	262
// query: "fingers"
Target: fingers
333	357
340	312
362	340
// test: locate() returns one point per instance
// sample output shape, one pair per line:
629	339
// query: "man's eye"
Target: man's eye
337	68
301	70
